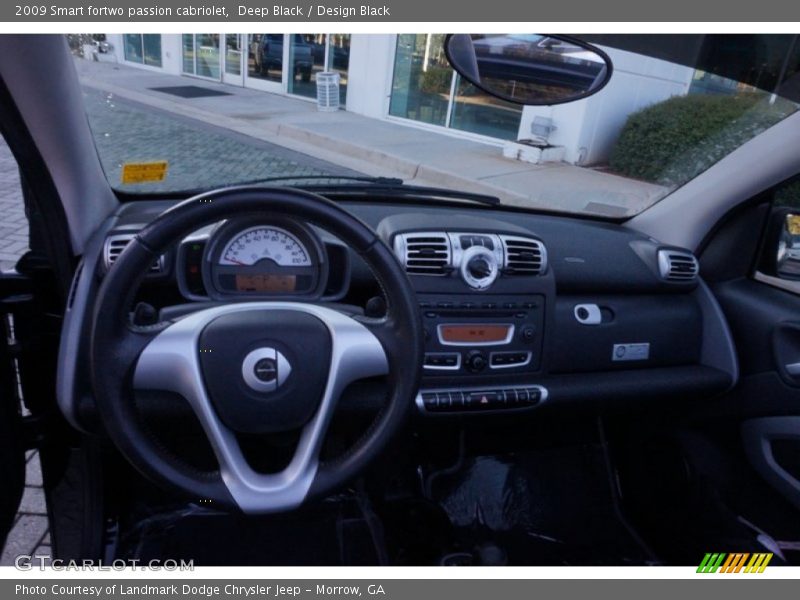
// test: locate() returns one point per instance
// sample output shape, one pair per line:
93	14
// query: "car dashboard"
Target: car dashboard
522	312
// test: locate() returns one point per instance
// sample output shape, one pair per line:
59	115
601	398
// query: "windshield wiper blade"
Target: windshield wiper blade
390	181
408	191
388	185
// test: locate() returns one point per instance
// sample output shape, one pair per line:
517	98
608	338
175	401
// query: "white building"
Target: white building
406	78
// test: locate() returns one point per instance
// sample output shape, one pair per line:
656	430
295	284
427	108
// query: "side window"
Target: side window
13	222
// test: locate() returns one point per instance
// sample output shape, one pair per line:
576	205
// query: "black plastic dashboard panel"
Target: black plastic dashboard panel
589	262
584	255
667	329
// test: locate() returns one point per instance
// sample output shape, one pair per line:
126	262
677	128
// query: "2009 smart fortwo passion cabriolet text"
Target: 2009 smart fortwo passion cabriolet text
343	369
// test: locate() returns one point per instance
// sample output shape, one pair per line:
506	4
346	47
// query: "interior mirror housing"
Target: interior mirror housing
529	69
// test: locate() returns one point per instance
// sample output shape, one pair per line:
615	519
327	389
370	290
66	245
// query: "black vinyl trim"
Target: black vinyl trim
36	176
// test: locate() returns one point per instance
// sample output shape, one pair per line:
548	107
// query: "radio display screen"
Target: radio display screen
472	333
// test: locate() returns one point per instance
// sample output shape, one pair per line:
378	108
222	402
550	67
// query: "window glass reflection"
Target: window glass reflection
422	79
233	54
307	56
478	112
265	56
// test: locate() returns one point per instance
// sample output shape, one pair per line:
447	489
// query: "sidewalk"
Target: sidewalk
378	147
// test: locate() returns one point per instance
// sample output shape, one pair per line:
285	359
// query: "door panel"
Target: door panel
773	445
765	323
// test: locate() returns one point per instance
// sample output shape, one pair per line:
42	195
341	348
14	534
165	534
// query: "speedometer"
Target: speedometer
264	259
263	242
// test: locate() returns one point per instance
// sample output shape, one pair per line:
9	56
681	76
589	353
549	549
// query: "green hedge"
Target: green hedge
671	142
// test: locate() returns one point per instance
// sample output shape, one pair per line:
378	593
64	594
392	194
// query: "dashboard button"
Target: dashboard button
499	359
444	400
528	333
442	360
533	396
430	401
476	362
482	399
432	360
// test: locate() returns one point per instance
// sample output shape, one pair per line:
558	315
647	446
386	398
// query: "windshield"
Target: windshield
185	113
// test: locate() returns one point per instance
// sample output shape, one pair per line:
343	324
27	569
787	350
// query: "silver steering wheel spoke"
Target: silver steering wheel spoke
171	362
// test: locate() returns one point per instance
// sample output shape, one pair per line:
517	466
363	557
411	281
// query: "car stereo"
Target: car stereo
482	335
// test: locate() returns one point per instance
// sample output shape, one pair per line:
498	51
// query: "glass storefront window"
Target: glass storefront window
313	53
425	88
188	53
265	56
143	48
151	44
478	112
339	61
422	79
233	54
206	49
201	54
307	57
133	47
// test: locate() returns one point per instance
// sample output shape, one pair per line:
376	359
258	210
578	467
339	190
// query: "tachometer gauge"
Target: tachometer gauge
279	258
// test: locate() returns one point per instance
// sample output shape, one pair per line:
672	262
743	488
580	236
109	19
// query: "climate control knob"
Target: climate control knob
479	267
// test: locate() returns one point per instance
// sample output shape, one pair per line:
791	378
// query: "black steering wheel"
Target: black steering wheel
304	354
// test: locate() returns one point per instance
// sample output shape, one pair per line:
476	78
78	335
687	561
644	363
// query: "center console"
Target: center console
483	339
484	295
469	335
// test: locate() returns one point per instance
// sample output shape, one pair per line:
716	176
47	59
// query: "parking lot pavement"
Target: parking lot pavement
200	155
13	223
30	534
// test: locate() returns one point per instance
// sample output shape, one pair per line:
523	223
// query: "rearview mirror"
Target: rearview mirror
527	68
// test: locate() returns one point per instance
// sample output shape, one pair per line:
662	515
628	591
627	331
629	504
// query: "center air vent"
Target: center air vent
424	253
677	265
524	256
114	246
